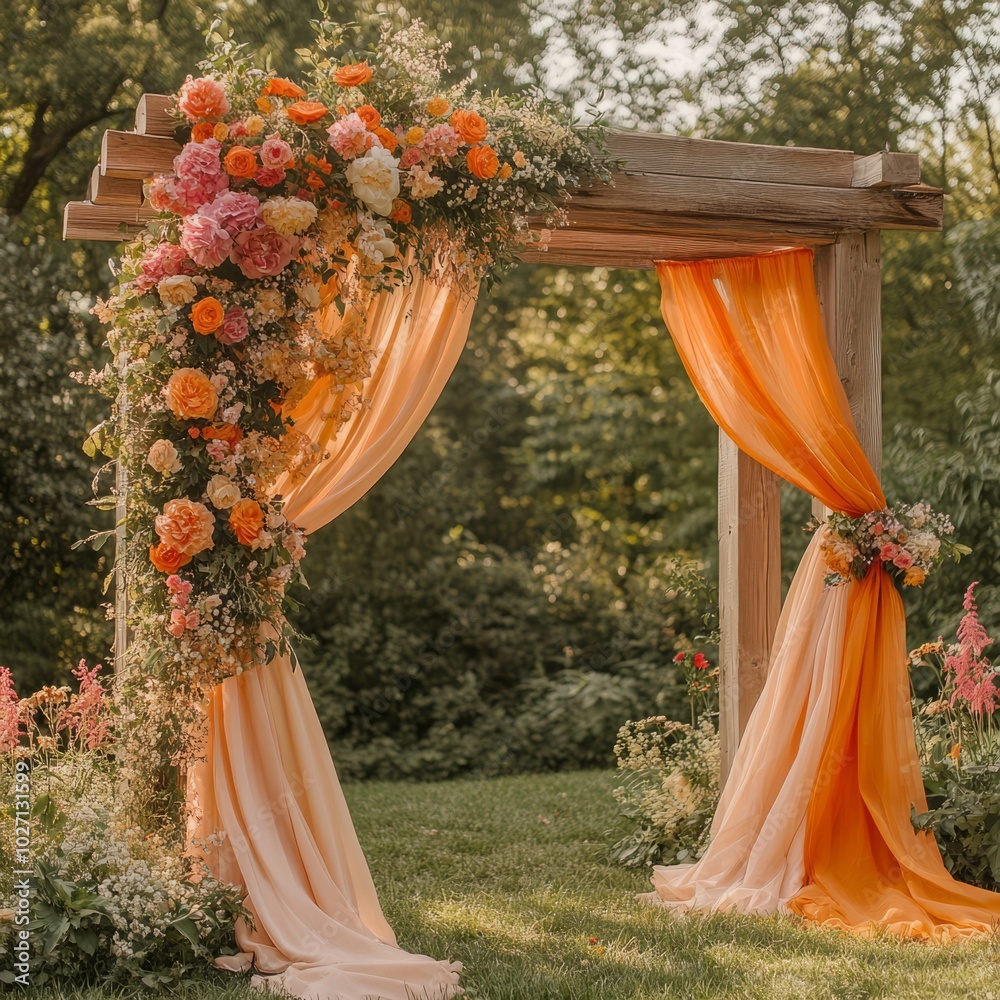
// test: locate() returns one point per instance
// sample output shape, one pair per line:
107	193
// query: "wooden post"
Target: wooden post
749	587
121	540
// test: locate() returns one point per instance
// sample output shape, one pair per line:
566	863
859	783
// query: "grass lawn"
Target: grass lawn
510	877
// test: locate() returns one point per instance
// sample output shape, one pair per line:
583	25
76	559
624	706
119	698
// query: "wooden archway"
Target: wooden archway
679	198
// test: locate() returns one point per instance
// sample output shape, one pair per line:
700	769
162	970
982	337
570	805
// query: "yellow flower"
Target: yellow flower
505	171
264	105
414	135
438	106
220	132
255	125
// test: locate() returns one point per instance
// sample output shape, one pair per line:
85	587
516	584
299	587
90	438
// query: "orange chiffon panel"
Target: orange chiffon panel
830	745
268	781
270	784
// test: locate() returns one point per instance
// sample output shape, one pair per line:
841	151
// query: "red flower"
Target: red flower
679	658
700	662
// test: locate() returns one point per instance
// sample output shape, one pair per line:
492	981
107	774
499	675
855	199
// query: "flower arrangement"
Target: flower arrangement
908	541
289	207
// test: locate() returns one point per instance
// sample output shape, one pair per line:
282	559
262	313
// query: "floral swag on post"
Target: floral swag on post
286	202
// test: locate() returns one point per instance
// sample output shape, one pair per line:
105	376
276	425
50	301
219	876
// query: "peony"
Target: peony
482	162
374	179
222	492
470	126
261	252
275	152
163	457
350	136
199	172
176	290
234	211
163	261
354	75
167	559
205	240
202	98
240	163
191	395
306	112
235	326
247	521
442	141
288	216
422	183
206	315
186	526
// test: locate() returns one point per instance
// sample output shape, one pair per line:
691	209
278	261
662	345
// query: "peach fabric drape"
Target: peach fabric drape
815	816
268	781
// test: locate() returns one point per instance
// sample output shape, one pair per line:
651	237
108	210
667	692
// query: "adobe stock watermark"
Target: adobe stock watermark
21	966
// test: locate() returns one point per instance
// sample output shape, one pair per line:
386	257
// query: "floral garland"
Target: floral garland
287	203
907	540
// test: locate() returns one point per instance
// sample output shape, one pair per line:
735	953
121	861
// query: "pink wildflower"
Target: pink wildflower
85	716
10	714
973	679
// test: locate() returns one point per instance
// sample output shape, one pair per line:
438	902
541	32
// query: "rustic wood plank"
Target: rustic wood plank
886	169
136	157
153	117
104	190
749	587
849	283
83	220
655	153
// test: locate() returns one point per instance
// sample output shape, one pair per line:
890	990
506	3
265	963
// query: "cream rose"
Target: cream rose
289	216
176	290
374	179
163	457
223	492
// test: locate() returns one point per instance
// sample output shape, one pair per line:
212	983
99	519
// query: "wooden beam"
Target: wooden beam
749	587
153	115
85	221
849	284
103	190
136	157
886	169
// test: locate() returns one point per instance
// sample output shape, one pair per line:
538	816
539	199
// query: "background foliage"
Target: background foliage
501	601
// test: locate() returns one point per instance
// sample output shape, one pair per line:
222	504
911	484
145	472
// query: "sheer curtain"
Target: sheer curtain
815	816
268	781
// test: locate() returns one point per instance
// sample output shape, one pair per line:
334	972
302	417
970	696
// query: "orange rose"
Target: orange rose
470	126
206	315
387	138
370	116
191	396
230	433
166	559
355	75
186	526
247	521
278	86
401	211
437	106
304	112
482	161
240	162
202	131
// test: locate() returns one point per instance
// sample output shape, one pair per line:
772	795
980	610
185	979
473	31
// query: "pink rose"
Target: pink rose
164	196
164	261
261	252
275	152
205	240
441	140
234	211
202	98
904	560
268	177
888	552
234	326
200	176
177	623
350	136
410	158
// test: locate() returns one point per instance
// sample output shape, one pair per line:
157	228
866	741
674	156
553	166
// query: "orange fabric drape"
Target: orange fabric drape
268	781
816	815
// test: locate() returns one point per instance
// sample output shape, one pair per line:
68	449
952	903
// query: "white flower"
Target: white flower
289	216
163	457
176	290
422	183
374	179
375	239
222	491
